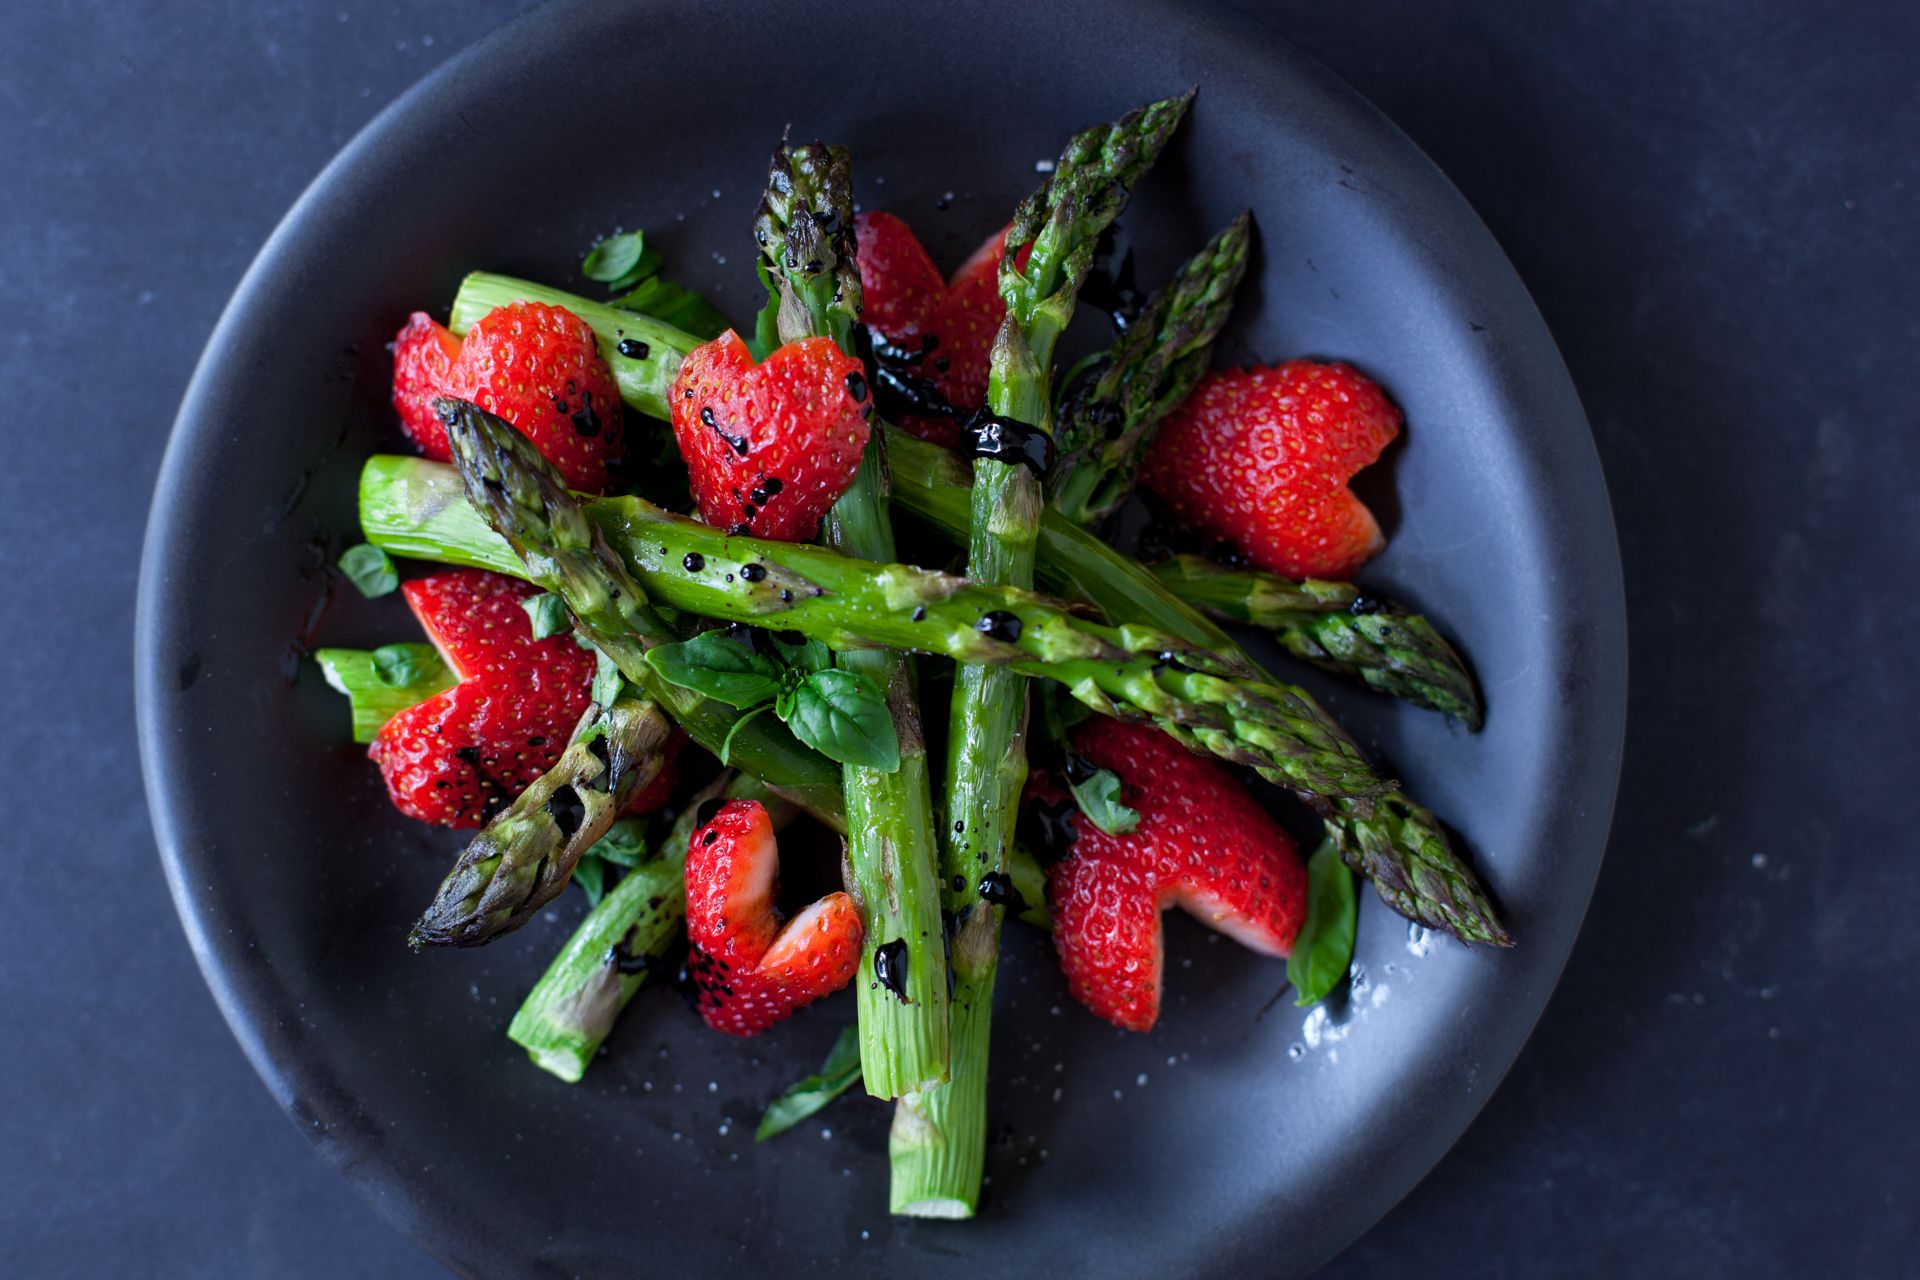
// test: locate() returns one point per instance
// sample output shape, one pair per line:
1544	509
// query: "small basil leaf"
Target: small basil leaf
614	256
590	873
677	305
548	613
398	665
726	743
808	655
370	569
608	682
1099	798
624	845
803	1098
1323	952
719	667
844	716
766	325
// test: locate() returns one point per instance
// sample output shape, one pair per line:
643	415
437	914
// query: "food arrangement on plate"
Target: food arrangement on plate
904	605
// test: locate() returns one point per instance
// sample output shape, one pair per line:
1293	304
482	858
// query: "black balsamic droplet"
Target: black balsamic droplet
994	887
1010	441
693	562
706	416
1365	605
752	572
857	386
633	349
890	968
771	485
959	883
998	624
919	613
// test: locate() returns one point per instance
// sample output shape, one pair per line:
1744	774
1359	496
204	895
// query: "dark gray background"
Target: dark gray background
1718	209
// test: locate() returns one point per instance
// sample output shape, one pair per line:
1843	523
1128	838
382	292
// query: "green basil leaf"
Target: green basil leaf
1099	798
726	743
844	717
625	844
370	569
839	1073
1323	952
399	665
590	873
766	325
676	305
371	692
808	655
608	682
548	613
614	256
714	664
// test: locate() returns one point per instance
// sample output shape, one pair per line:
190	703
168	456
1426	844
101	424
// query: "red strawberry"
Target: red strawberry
659	789
423	356
770	447
1262	456
751	972
1202	844
459	756
476	620
952	321
535	365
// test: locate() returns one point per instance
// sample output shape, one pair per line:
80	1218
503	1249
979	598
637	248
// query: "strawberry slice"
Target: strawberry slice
751	972
1262	456
474	617
948	326
460	756
1202	844
537	366
655	793
770	446
423	356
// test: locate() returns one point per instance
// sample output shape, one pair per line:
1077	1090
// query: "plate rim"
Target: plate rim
246	1006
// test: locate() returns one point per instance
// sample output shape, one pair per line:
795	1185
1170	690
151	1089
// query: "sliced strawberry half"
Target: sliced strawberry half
477	620
423	356
751	971
460	756
538	366
1202	844
1262	456
946	326
770	446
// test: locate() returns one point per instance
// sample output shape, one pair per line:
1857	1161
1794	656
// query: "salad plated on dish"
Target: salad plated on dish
814	648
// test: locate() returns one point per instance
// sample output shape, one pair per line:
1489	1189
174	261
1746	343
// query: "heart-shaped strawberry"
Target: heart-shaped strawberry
943	329
770	446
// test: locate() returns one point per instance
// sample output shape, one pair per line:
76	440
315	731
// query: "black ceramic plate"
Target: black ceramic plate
1241	1136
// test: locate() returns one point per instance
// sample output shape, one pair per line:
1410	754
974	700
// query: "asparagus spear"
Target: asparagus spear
1109	418
1333	625
523	858
805	229
515	490
384	682
1394	842
572	1009
938	1143
930	483
1211	703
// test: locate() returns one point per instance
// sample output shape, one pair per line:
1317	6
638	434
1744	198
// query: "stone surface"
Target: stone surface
1715	206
